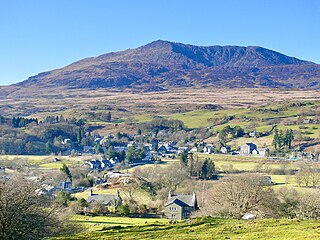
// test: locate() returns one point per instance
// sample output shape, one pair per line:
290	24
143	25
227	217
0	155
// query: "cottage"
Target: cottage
246	149
194	150
262	152
66	141
267	180
179	207
148	147
162	150
182	149
120	149
248	216
88	149
306	121
109	200
65	185
208	149
252	134
225	149
94	164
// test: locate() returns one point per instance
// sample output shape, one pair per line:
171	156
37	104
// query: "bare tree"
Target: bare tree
24	214
234	196
297	204
308	176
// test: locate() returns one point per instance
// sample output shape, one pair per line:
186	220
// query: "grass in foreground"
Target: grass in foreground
206	228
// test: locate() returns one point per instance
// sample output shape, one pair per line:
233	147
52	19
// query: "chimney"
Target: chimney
194	200
90	192
170	194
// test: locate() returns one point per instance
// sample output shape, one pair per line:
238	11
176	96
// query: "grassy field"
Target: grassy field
205	228
98	222
47	161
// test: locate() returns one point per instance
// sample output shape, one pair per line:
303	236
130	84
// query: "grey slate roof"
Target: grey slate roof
178	202
106	199
188	200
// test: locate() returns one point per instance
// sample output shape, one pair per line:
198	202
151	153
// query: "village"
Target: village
112	169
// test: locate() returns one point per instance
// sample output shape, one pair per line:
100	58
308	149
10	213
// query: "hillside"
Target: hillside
164	65
205	228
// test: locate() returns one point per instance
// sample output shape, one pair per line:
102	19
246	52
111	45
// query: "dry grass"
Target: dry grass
123	104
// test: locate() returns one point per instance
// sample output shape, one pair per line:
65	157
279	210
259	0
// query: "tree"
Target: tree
26	215
109	117
135	154
288	138
66	170
80	135
207	169
184	158
296	204
98	149
49	147
308	176
235	196
282	140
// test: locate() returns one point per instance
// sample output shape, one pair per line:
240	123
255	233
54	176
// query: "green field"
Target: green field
47	161
203	228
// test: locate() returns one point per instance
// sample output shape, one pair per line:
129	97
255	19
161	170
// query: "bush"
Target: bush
124	209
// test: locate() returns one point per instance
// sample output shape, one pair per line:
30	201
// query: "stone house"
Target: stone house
225	149
263	152
180	207
109	200
208	149
246	149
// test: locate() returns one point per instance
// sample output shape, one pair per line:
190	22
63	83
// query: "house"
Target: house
66	141
248	216
100	165
88	149
208	149
182	149
162	150
114	175
246	149
148	147
64	185
120	149
110	200
94	164
262	152
46	189
194	150
267	180
225	149
252	134
306	121
179	207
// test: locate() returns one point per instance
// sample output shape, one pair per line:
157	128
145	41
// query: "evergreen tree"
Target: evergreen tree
207	169
275	141
109	117
184	158
66	170
49	147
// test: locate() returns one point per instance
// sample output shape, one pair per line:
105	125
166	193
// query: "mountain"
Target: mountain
163	64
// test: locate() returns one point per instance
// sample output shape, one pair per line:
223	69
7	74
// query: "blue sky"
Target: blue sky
40	35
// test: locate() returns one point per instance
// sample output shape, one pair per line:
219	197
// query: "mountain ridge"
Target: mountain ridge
163	64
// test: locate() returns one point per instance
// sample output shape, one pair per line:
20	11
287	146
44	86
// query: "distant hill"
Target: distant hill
163	65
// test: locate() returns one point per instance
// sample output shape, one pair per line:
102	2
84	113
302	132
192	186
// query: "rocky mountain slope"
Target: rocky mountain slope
163	65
